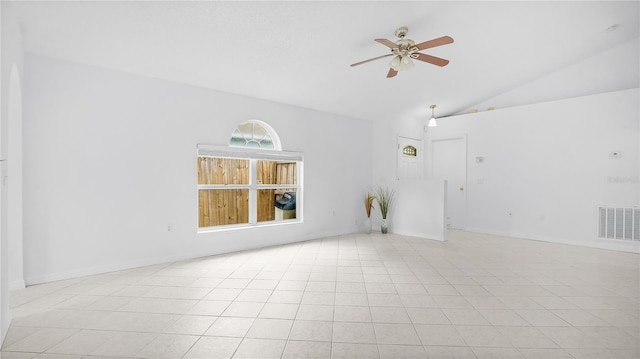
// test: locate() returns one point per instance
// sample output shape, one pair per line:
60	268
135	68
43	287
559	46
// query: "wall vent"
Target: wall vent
622	223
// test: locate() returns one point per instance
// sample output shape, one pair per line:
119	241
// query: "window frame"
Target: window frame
253	155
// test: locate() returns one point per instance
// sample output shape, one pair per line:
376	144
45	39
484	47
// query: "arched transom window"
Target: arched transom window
255	134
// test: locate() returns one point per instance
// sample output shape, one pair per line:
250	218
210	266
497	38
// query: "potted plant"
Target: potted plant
384	197
368	206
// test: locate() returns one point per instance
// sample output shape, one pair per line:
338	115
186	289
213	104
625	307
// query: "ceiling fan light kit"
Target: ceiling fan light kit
405	50
401	63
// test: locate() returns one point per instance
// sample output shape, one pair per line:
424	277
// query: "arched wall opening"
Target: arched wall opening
14	183
11	198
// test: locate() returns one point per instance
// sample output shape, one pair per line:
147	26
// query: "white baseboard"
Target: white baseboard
4	326
53	277
17	284
612	245
421	235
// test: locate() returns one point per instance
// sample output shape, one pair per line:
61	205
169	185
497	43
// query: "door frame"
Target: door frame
430	142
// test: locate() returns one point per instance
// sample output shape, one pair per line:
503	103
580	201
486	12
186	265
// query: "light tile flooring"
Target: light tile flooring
353	296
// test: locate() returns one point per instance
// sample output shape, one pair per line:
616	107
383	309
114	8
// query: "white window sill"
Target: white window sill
235	227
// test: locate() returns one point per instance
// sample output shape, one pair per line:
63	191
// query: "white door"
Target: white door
410	158
449	162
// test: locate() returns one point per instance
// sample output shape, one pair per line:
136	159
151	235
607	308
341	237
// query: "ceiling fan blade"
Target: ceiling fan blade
430	59
365	61
435	42
391	73
388	43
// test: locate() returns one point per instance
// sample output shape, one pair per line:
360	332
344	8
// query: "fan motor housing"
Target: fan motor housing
401	32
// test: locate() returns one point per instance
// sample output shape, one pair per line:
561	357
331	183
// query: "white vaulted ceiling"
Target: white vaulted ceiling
505	53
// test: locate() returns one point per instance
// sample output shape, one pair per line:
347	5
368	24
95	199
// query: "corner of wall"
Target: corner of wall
10	130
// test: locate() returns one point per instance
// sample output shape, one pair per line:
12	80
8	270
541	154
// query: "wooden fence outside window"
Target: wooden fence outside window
231	206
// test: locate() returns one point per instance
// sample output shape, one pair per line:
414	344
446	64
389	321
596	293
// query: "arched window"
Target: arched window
255	134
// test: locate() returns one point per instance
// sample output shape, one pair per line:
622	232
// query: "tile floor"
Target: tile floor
353	296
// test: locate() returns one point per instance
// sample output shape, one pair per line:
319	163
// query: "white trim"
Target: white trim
275	139
253	193
206	150
614	245
224	186
17	284
52	277
431	140
234	227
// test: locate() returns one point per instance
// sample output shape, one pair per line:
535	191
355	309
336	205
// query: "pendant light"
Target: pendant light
432	121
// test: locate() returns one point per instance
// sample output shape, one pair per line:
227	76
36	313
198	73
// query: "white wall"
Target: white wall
419	209
11	166
548	164
110	163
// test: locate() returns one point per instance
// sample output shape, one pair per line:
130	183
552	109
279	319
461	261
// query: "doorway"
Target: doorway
449	163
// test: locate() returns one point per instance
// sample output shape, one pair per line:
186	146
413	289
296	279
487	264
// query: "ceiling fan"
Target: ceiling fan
404	50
